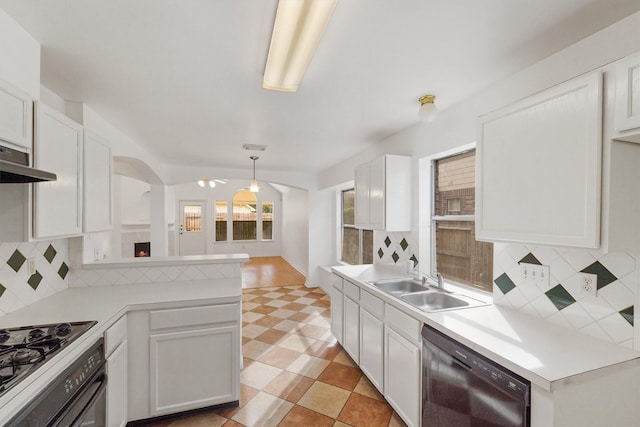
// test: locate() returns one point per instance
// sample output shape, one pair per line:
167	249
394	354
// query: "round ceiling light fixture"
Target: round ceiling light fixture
428	110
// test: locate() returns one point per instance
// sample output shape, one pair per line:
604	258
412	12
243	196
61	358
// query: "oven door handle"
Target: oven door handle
72	418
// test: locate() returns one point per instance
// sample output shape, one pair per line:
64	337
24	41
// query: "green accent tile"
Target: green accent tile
34	280
380	253
404	244
627	313
414	259
16	260
395	257
560	297
604	276
2	289
50	254
63	270
387	241
505	283
530	259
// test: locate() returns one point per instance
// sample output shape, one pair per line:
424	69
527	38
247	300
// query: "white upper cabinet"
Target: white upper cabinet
57	148
628	93
16	116
97	198
539	167
383	194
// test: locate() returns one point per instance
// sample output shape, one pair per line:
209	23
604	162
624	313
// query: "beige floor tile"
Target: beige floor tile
299	293
251	317
287	326
297	343
273	294
252	331
248	306
308	366
311	331
282	313
312	309
340	424
202	420
255	349
258	375
344	358
264	410
325	399
248	297
277	303
305	300
319	321
365	388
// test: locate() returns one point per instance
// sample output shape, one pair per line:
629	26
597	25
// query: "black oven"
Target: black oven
75	398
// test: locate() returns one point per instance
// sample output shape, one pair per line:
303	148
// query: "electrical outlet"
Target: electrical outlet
31	265
589	283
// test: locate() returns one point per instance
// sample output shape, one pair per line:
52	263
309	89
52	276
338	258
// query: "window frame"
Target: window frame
352	227
433	218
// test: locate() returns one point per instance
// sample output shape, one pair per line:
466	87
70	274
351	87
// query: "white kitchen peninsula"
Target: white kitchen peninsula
168	302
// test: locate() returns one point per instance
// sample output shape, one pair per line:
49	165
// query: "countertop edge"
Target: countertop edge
143	262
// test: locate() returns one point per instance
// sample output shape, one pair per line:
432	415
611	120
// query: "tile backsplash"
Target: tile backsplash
394	248
608	316
18	287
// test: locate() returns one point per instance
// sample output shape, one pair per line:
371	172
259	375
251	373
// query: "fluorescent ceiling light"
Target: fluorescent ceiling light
296	32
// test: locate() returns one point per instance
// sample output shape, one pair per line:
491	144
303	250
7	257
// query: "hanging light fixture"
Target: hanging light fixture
254	184
428	110
205	182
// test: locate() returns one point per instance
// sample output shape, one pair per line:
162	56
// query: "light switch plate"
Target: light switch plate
535	273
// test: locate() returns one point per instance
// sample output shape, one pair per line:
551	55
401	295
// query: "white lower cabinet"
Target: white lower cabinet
352	328
117	377
337	311
183	358
402	371
371	348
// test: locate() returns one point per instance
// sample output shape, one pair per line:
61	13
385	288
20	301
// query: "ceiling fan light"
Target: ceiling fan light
201	183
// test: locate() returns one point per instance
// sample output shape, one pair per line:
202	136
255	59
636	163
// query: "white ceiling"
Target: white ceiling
183	77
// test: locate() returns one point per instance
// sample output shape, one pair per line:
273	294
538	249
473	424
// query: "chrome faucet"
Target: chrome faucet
438	280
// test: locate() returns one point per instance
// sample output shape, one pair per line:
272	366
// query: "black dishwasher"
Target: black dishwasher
462	388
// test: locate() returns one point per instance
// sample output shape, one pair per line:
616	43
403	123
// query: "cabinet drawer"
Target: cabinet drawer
336	281
115	335
373	305
193	316
403	323
351	290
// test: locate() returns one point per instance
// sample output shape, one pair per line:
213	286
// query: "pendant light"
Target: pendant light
254	184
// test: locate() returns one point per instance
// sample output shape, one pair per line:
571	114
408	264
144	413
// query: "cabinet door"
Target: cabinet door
539	167
352	328
97	184
16	116
362	196
58	149
371	348
337	313
193	369
402	370
628	93
377	193
117	387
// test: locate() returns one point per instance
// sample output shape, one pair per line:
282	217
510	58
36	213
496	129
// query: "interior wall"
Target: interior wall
295	224
19	56
225	192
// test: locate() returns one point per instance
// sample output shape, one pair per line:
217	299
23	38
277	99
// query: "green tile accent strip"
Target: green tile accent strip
387	241
505	283
530	259
627	313
560	297
395	257
50	254
604	276
63	270
34	280
380	253
404	244
2	289
16	260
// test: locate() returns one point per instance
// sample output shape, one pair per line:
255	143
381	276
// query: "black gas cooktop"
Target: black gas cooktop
24	349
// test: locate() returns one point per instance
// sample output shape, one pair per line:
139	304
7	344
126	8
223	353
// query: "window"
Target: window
244	216
267	220
192	218
357	244
458	256
221	221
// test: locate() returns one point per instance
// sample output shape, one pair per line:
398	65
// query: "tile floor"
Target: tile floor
295	373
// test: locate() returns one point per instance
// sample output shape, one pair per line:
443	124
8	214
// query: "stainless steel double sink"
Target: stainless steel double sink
423	297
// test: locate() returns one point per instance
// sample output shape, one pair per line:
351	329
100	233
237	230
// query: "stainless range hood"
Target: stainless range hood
14	168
